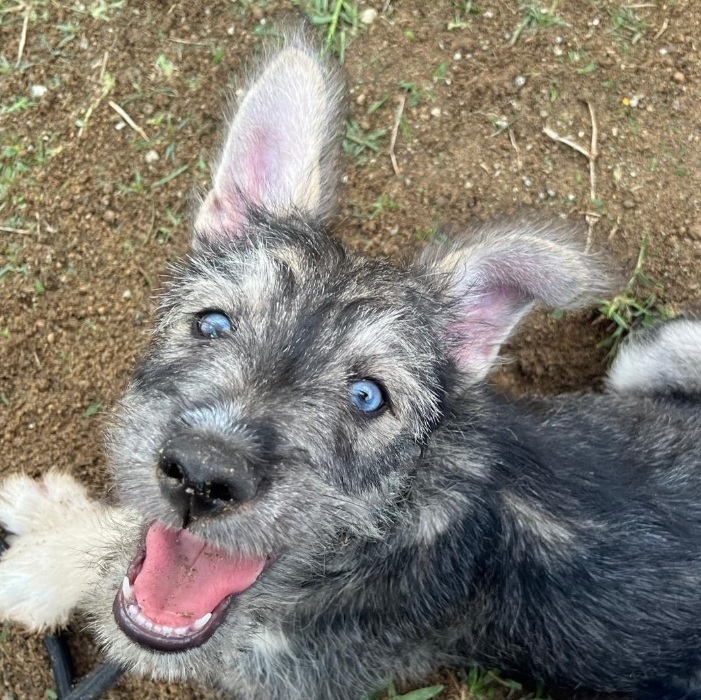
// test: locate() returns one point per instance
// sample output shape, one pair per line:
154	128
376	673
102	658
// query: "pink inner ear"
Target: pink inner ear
484	322
241	183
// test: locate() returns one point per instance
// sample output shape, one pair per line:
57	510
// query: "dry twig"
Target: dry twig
395	131
591	154
128	120
663	29
512	138
23	37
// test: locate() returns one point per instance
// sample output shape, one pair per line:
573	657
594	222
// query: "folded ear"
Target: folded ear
493	278
282	148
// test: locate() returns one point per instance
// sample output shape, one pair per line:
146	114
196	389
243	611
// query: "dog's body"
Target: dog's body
318	491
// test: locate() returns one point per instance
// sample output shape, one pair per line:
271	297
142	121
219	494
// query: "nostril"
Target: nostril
221	492
172	469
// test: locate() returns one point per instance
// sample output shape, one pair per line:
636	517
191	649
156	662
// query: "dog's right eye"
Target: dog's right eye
211	324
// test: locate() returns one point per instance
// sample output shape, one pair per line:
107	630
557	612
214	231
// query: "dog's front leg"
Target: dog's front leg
57	537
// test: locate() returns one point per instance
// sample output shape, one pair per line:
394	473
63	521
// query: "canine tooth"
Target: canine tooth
127	591
197	625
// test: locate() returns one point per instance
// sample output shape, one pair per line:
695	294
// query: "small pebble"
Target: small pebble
368	16
519	81
679	77
126	295
38	91
436	112
151	156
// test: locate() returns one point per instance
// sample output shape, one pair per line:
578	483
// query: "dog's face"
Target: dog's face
284	401
292	387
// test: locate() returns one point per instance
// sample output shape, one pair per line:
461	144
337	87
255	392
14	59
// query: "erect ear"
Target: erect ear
493	278
282	148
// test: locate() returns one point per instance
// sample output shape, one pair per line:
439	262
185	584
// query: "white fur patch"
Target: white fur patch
667	359
55	531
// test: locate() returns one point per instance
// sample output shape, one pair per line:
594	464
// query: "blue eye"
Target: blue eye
212	324
367	395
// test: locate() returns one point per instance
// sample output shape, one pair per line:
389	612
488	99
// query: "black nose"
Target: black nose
204	476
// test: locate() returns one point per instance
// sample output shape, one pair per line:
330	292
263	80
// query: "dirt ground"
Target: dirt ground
93	206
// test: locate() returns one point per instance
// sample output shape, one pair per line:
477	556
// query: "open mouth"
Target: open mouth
178	589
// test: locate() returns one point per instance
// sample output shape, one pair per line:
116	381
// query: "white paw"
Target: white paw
54	529
28	506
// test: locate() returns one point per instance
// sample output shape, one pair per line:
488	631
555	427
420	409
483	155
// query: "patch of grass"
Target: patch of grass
382	204
637	306
101	10
589	68
136	186
12	265
533	17
357	143
93	409
341	18
419	694
18	103
424	235
482	684
462	9
165	66
627	24
165	232
440	75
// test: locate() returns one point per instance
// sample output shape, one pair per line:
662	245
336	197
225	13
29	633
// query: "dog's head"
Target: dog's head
292	386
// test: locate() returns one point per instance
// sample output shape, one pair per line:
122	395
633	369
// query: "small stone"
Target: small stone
628	204
679	77
360	99
695	231
527	181
230	31
519	81
257	13
36	92
436	112
457	56
151	156
368	16
109	216
126	295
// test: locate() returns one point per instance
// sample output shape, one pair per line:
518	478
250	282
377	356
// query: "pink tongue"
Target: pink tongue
184	578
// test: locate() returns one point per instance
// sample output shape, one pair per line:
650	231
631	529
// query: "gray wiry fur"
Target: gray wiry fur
559	537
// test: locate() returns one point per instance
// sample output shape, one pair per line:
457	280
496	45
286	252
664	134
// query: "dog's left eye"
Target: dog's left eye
212	324
367	395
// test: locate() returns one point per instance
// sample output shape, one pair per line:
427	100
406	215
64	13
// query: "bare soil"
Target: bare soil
92	209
